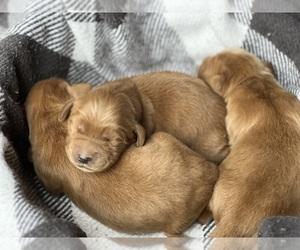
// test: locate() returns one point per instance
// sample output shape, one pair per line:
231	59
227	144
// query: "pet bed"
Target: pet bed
96	41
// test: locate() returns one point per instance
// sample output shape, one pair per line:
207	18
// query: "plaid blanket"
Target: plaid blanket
96	41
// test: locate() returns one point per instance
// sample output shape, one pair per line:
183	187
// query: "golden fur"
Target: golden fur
260	176
103	123
162	186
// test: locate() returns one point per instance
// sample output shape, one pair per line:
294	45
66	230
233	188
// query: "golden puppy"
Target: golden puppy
162	186
103	123
260	176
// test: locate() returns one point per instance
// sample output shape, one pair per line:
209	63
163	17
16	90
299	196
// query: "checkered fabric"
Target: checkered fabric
97	41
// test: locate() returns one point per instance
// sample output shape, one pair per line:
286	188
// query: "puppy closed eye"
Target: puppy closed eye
113	140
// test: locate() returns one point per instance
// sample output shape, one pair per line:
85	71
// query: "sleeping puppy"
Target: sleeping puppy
162	186
103	123
260	176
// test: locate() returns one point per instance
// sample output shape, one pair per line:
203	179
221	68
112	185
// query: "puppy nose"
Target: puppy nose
84	159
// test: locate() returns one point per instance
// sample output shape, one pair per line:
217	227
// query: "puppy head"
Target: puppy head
100	126
44	103
229	68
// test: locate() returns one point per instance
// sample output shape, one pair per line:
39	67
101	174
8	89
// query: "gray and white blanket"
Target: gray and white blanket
100	40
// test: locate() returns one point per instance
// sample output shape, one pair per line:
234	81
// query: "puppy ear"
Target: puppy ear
216	83
65	112
141	135
75	91
79	89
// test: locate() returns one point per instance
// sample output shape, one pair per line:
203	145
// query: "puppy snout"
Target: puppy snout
84	159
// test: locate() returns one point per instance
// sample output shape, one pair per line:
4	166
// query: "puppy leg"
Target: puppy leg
175	241
221	155
215	149
176	230
205	216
